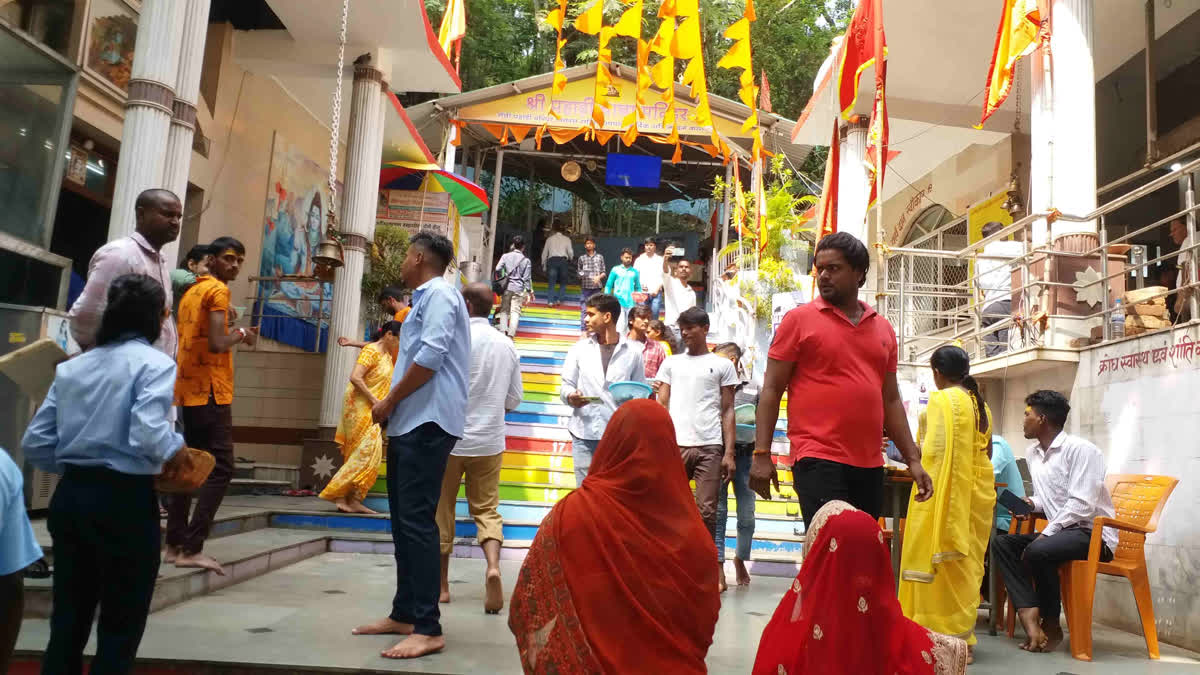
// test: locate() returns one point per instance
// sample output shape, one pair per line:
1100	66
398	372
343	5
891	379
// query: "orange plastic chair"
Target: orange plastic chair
1138	501
1019	525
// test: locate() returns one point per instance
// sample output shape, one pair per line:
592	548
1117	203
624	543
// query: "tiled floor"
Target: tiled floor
302	615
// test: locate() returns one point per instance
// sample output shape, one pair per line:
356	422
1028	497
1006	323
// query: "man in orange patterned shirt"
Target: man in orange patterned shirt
204	391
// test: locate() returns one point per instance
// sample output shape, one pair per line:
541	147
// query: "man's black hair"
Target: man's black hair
1051	405
693	316
852	249
153	198
198	253
436	246
221	243
135	305
390	292
603	302
517	243
640	311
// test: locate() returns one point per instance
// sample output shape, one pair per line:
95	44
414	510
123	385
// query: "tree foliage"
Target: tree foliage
508	40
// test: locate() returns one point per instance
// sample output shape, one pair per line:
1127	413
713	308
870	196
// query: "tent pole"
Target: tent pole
489	236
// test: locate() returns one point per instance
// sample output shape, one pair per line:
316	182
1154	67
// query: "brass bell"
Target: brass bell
329	253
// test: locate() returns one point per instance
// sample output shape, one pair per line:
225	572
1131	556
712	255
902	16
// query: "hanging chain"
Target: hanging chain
1017	100
336	122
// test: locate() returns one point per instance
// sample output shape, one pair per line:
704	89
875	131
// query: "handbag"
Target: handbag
185	472
500	281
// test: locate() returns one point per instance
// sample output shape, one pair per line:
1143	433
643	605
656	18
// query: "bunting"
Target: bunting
453	29
764	94
662	73
1024	26
630	26
739	57
555	19
685	44
739	202
591	21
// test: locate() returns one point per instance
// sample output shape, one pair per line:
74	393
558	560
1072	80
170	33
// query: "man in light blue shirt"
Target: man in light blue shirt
425	413
1004	466
18	550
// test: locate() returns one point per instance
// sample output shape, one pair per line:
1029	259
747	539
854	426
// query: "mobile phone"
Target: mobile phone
1014	503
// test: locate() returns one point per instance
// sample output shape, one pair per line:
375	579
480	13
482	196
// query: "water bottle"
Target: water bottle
1117	321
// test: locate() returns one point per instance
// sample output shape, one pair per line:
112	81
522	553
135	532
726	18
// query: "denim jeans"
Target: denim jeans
745	511
556	271
416	462
655	303
581	455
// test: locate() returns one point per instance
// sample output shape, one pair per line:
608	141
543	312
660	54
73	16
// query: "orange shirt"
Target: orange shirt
200	370
402	314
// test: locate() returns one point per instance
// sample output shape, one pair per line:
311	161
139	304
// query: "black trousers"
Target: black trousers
205	427
105	529
1030	565
997	341
416	462
818	481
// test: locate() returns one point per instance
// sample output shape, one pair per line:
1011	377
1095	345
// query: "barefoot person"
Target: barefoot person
104	426
494	390
1069	492
697	388
836	358
204	391
740	480
946	537
841	617
358	436
619	578
425	412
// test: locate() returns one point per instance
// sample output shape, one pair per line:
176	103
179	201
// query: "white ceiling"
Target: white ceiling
939	52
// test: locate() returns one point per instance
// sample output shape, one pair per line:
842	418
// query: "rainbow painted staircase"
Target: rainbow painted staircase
538	469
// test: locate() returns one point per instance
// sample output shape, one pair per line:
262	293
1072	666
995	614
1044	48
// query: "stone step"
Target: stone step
250	486
267	471
244	556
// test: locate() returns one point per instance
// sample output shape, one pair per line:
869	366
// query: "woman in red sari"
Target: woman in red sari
619	578
841	615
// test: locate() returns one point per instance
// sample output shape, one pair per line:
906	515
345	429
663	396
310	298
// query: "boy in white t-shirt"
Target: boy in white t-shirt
697	388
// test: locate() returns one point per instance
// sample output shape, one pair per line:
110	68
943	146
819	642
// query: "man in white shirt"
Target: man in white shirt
1180	235
603	357
1069	492
495	388
697	388
556	255
650	270
995	286
678	294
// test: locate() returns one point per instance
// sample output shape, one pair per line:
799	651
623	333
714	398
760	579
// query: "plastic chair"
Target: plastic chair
1138	502
1018	525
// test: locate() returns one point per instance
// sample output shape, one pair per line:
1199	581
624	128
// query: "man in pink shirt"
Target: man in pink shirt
159	213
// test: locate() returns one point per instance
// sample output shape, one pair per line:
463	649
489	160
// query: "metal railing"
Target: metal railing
260	297
931	310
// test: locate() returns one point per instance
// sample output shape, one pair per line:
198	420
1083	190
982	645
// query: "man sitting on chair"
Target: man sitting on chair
1069	492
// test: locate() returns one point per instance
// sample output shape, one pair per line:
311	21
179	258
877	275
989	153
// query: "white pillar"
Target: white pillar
364	150
854	185
489	230
187	95
1074	92
1041	147
147	110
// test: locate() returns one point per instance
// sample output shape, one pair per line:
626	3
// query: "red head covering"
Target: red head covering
620	577
841	615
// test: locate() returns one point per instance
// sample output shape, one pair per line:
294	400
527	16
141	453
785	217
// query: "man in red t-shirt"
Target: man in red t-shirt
837	360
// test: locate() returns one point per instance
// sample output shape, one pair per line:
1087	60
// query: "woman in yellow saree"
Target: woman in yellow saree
359	437
946	537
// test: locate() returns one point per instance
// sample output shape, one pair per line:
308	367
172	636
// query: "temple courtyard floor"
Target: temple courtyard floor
298	619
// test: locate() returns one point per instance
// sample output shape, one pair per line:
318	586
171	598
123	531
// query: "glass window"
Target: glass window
36	91
47	21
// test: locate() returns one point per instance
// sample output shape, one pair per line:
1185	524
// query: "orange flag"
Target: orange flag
827	213
1024	25
739	57
555	19
864	45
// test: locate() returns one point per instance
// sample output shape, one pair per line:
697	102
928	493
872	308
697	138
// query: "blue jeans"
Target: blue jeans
745	511
655	303
581	456
556	271
415	463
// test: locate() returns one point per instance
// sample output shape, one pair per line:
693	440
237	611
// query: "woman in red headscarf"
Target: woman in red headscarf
620	577
841	615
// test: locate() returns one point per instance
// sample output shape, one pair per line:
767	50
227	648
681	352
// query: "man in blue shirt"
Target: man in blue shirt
425	412
18	550
1004	466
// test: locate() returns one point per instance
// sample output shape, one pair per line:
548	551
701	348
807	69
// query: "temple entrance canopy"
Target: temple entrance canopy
521	129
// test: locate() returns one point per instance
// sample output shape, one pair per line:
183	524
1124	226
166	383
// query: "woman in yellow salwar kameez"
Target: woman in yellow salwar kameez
359	437
946	537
